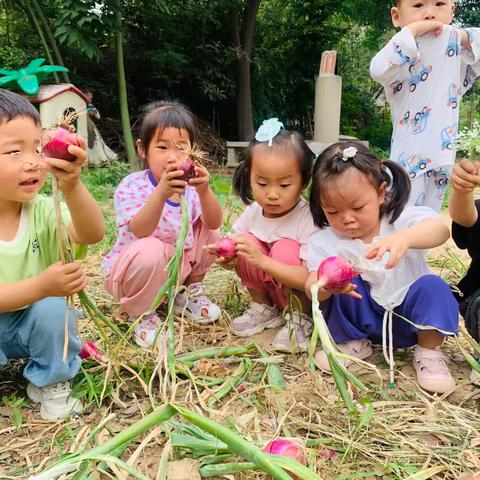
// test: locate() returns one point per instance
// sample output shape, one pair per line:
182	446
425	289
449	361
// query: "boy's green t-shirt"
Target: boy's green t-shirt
35	246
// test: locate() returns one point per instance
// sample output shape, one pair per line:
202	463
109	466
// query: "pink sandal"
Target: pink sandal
194	305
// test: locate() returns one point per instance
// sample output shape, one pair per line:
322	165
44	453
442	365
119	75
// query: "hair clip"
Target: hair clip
348	153
268	130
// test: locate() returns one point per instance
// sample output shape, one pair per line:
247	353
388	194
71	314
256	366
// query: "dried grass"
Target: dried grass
408	431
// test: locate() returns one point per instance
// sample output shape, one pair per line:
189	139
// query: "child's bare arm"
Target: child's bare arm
429	233
87	224
58	280
461	204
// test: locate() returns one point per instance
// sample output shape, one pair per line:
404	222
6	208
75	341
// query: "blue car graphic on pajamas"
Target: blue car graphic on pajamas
418	77
420	120
452	47
414	164
452	96
448	137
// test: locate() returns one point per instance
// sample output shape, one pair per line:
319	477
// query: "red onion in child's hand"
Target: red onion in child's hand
335	273
56	144
187	166
287	447
225	247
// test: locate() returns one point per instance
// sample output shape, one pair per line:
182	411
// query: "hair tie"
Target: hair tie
349	153
268	130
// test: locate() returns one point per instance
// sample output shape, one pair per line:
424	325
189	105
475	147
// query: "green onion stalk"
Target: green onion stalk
168	288
240	375
472	361
66	253
85	460
340	373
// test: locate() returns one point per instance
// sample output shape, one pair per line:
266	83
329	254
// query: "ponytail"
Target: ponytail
398	190
241	181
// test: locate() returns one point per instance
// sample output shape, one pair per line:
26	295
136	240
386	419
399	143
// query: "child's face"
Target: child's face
164	148
22	167
276	180
352	205
410	11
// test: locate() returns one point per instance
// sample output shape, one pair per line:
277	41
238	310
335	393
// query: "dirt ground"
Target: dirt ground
410	428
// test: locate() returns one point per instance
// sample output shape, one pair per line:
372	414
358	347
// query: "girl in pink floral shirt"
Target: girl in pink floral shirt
148	217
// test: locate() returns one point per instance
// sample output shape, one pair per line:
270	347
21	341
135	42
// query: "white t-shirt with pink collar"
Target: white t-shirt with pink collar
295	225
130	196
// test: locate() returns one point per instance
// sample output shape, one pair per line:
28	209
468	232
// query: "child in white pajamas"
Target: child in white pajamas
425	69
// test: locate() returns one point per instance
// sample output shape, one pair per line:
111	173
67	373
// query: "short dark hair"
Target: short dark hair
284	139
330	165
163	114
13	105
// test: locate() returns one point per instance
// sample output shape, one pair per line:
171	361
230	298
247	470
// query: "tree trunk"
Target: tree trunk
51	39
33	20
122	94
243	43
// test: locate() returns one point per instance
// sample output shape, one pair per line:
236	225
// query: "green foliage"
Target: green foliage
184	49
16	404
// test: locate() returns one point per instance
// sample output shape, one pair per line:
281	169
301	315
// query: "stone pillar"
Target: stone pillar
328	99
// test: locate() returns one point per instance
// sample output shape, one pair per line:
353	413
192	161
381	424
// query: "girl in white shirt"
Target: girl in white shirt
358	201
272	234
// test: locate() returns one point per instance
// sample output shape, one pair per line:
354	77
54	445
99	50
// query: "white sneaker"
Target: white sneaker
55	400
256	318
146	331
295	335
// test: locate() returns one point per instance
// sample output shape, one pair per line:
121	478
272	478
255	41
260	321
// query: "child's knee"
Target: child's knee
286	251
433	286
48	317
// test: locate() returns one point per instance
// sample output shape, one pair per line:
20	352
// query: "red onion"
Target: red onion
225	247
287	447
90	350
56	144
335	273
187	166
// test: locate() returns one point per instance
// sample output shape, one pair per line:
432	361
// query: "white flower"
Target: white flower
349	152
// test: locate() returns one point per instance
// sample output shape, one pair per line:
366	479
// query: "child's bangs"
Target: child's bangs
165	117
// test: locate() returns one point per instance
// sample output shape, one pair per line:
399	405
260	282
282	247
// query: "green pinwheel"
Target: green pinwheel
29	78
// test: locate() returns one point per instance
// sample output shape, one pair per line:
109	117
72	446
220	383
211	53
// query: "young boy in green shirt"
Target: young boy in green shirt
33	281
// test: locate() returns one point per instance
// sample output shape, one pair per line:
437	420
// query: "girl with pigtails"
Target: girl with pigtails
359	203
271	235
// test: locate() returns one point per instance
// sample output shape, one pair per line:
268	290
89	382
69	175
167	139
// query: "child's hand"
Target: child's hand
251	252
397	244
227	264
200	181
465	176
66	172
62	280
424	26
350	289
169	183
